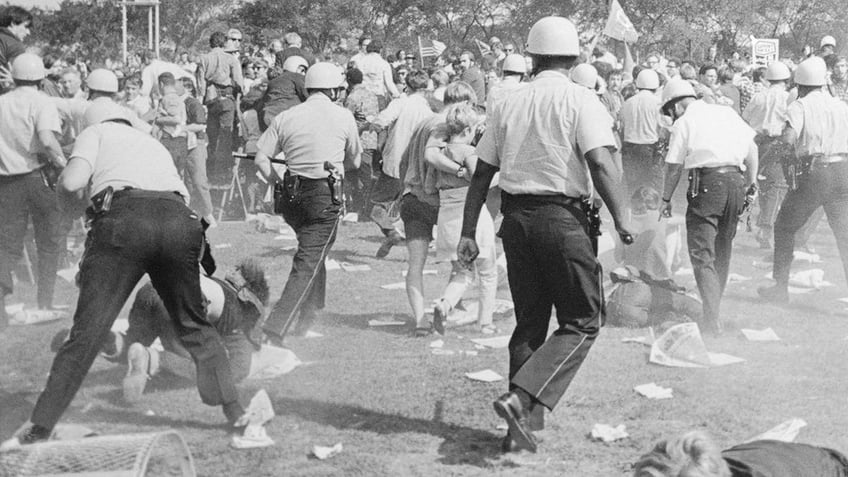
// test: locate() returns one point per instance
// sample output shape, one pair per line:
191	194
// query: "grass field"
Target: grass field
398	409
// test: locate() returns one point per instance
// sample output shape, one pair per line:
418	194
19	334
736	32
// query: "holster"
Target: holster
287	193
100	203
694	183
593	216
795	168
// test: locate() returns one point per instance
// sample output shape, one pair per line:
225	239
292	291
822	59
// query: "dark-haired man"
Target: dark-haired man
15	25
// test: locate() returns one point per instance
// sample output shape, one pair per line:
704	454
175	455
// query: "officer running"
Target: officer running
546	184
712	143
139	224
316	138
817	175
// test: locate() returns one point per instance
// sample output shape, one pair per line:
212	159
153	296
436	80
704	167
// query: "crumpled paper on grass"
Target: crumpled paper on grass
767	334
786	431
258	412
486	376
681	346
323	452
32	317
607	433
272	361
653	391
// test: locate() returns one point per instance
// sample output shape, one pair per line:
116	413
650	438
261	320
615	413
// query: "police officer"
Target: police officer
317	138
643	129
712	143
818	175
28	150
139	224
766	114
550	259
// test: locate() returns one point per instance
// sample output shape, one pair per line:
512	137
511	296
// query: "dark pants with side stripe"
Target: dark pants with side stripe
144	232
550	262
314	218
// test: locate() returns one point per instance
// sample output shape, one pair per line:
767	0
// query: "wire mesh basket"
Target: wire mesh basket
129	455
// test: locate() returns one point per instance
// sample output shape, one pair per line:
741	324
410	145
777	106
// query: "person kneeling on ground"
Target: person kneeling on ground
233	305
695	454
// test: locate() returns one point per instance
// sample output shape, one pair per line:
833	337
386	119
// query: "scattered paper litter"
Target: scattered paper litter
350	267
322	452
606	433
69	274
681	346
222	245
496	342
32	317
426	272
351	217
502	427
386	323
805	281
150	413
486	376
332	264
437	344
442	352
767	334
254	437
394	286
259	411
638	339
479	346
468	353
652	391
807	257
844	300
786	431
13	308
69	432
313	334
735	277
271	362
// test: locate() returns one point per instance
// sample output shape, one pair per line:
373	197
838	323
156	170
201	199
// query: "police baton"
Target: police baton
252	157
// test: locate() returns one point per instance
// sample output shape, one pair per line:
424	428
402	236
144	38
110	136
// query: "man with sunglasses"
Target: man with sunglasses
712	143
220	80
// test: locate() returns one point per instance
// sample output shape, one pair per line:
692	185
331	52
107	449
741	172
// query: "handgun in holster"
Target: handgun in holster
794	169
593	215
694	183
100	203
287	193
334	180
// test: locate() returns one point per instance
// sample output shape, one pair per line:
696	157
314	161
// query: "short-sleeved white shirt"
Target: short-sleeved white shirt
766	112
821	122
538	135
641	118
311	133
709	135
23	112
122	156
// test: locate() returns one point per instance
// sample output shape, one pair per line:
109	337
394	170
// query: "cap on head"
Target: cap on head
648	79
28	67
811	72
105	110
324	76
827	40
515	63
585	74
103	80
294	63
553	36
676	89
778	71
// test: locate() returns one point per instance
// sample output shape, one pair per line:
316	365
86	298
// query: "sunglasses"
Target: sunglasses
234	39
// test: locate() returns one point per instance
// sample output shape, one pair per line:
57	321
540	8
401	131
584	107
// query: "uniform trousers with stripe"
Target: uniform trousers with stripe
550	262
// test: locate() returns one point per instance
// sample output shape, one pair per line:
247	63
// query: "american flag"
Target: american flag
430	47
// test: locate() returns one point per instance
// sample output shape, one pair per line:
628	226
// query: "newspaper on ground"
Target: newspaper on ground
442	352
69	274
272	361
350	217
313	334
786	431
607	433
33	317
394	286
653	391
643	340
258	412
331	264
323	452
735	277
681	346
496	342
437	344
767	334
385	322
486	376
800	256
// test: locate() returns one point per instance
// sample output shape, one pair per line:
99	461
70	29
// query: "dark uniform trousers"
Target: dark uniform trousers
314	218
21	197
550	261
711	220
144	232
772	152
220	122
826	185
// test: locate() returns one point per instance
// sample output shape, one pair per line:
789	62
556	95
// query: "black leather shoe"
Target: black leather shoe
777	294
509	408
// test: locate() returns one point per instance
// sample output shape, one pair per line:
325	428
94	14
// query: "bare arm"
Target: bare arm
752	164
436	158
51	146
263	162
604	175
467	249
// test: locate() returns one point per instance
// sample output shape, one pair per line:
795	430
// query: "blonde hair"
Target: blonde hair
460	116
693	454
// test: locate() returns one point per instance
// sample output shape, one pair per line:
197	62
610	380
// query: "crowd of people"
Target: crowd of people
543	138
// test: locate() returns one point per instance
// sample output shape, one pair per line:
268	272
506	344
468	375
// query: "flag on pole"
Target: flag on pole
619	26
430	48
483	47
